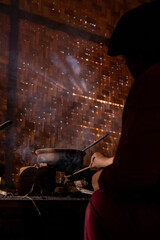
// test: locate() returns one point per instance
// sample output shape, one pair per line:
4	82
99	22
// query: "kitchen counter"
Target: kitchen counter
42	217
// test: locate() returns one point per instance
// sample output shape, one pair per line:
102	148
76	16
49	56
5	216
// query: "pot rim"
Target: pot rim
56	150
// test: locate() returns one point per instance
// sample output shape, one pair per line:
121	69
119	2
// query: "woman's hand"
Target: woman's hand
98	160
95	179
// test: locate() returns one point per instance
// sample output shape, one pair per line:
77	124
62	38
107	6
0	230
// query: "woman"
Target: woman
126	201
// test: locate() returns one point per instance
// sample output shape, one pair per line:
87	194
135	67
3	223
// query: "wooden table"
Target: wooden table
61	218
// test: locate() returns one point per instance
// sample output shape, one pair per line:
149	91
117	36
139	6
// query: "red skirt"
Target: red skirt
109	219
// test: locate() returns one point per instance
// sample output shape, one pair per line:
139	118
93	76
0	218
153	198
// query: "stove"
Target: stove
48	181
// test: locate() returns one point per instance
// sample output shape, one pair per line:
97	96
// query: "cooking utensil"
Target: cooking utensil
81	170
68	160
5	124
92	144
86	191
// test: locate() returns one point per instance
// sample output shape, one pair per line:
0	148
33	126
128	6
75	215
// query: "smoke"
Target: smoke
74	64
58	63
67	77
68	66
27	155
51	80
71	70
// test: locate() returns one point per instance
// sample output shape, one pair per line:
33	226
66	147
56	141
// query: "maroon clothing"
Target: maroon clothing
127	206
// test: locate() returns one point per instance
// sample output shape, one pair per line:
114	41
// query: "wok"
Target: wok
67	160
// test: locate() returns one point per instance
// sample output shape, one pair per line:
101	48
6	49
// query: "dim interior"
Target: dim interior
58	85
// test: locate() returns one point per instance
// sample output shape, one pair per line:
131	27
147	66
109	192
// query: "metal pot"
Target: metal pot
68	160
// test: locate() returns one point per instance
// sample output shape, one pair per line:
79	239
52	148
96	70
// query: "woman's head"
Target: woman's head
137	37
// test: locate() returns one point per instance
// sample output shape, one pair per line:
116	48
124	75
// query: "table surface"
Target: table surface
40	217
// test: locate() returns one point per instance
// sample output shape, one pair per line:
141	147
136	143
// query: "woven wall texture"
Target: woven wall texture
68	92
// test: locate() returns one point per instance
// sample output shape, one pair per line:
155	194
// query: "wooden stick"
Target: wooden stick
5	124
95	142
81	170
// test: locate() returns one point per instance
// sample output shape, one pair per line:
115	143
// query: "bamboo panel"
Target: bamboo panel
98	17
5	1
66	90
69	93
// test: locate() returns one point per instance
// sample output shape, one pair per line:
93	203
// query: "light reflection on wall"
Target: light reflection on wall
69	93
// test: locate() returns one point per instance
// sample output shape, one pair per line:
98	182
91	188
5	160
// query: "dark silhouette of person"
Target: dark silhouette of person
126	201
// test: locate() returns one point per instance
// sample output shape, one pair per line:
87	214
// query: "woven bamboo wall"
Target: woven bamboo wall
98	17
68	92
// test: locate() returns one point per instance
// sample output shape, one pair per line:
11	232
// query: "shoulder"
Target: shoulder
145	91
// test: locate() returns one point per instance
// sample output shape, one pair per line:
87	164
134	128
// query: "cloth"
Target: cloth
127	206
